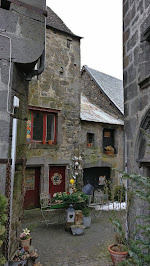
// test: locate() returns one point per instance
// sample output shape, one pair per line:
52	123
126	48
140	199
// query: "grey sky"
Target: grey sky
99	22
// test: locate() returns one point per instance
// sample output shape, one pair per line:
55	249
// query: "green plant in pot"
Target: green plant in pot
86	217
119	250
138	244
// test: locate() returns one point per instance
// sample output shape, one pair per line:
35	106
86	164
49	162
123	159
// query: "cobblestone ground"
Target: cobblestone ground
57	247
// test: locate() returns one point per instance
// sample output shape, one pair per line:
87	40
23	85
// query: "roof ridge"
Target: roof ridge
54	21
106	84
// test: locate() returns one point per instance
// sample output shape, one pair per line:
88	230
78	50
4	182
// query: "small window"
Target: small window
90	139
5	4
108	141
41	127
68	43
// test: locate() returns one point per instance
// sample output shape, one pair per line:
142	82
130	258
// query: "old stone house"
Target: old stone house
136	43
56	130
22	42
102	126
54	114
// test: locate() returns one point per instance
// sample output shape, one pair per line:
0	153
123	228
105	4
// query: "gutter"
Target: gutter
37	72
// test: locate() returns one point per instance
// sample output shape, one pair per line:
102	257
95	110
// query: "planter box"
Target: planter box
77	230
58	206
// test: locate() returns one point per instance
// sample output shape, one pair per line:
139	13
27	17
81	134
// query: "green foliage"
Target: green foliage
86	211
139	247
3	218
119	232
78	199
119	193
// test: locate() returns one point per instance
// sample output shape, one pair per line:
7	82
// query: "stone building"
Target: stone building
22	44
57	133
54	114
101	126
136	41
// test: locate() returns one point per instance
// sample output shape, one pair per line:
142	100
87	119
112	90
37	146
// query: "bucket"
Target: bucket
88	189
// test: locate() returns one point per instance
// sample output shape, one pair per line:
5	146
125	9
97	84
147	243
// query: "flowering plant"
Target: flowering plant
25	235
109	148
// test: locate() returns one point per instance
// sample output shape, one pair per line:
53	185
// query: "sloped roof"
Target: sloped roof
90	112
54	21
112	87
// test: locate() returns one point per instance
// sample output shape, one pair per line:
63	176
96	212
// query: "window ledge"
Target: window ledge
42	146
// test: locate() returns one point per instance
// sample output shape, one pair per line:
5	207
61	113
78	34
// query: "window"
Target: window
41	126
5	4
108	141
90	139
68	43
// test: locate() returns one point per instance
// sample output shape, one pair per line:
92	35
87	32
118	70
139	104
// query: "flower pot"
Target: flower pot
43	141
117	256
109	152
50	142
77	229
86	221
25	243
89	145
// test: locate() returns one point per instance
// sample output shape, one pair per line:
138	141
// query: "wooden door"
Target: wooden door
56	179
32	186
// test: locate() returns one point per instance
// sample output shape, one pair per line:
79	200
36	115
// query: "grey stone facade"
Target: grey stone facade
136	18
58	89
22	41
95	156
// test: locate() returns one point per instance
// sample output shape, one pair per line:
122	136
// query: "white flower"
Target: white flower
26	231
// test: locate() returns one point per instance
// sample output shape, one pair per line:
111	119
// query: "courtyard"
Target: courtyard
55	246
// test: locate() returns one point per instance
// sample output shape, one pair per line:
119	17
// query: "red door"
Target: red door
32	186
56	179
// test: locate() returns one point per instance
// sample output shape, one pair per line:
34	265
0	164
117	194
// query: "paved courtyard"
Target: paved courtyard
55	246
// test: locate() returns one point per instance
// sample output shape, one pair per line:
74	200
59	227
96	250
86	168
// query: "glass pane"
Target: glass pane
37	126
50	127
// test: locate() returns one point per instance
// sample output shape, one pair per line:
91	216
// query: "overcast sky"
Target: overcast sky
99	22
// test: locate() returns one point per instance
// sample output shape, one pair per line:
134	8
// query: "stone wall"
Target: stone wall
22	37
136	18
94	156
58	88
91	90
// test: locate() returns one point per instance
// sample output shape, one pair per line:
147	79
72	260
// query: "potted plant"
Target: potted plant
109	150
25	238
118	251
77	229
86	217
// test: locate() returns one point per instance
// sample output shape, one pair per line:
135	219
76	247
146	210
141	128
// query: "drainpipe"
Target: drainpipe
126	184
13	157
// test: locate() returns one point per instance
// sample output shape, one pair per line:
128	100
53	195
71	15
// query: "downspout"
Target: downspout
13	157
38	71
126	182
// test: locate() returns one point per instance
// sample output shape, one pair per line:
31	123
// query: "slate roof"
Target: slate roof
90	112
54	21
110	86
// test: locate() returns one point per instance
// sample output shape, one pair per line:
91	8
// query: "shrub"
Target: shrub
119	193
3	218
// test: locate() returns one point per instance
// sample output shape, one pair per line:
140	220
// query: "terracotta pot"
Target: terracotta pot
25	243
89	145
117	256
43	141
50	142
109	152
